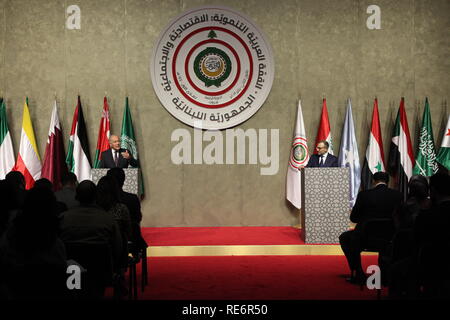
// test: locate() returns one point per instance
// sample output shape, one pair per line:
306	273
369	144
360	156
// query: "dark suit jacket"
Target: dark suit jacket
331	161
107	160
377	203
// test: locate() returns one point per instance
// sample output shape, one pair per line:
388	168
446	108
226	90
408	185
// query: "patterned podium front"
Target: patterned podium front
326	204
131	179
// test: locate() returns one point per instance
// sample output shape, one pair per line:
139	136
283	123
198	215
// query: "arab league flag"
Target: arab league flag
426	164
54	165
348	154
78	159
374	161
128	141
324	132
401	158
298	159
6	149
28	161
103	134
443	156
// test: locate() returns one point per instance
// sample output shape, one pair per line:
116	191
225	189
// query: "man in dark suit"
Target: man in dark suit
376	203
322	158
117	157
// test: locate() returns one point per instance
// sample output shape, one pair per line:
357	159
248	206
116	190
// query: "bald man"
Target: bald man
116	157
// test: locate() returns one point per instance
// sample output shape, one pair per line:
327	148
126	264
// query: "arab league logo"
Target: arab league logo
299	153
212	66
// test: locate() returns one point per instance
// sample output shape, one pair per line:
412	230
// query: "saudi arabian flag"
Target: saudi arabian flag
7	160
443	156
426	164
128	141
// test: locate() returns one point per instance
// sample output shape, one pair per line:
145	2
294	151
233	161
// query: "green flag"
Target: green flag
128	141
443	156
426	164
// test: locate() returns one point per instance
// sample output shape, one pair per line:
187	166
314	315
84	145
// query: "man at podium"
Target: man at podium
116	157
322	158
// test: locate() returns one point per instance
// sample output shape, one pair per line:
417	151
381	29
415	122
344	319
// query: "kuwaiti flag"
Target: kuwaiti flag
401	157
374	161
78	159
6	149
298	159
103	134
443	156
324	132
28	161
54	165
348	154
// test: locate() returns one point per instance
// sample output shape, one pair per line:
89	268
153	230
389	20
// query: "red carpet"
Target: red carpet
253	278
210	236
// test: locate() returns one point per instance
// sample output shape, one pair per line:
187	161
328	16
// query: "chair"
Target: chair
377	235
97	259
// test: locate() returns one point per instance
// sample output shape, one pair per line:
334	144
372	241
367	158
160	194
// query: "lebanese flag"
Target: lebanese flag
324	132
401	157
28	161
78	158
54	166
374	161
103	134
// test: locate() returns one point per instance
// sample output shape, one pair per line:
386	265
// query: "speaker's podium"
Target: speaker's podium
325	203
132	176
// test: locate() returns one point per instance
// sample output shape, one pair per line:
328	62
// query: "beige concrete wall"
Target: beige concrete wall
321	48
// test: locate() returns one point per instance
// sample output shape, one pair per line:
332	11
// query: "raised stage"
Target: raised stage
232	241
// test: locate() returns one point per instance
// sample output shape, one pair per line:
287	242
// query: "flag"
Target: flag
401	158
299	158
6	149
78	159
103	134
324	132
348	154
28	160
128	141
443	156
426	164
374	161
54	165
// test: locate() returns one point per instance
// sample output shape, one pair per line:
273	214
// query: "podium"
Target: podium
325	203
131	184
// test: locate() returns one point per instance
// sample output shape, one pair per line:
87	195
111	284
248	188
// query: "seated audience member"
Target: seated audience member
67	193
108	198
47	184
32	257
17	182
7	201
418	199
377	203
88	224
423	268
134	206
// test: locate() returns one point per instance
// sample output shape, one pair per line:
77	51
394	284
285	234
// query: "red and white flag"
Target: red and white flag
324	132
28	161
54	165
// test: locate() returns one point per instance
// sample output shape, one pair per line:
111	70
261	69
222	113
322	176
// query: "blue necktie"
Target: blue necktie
321	161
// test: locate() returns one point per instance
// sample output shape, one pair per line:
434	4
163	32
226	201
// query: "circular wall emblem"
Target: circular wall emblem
299	153
212	68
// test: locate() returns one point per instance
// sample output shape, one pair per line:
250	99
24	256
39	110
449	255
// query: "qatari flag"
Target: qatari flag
54	166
